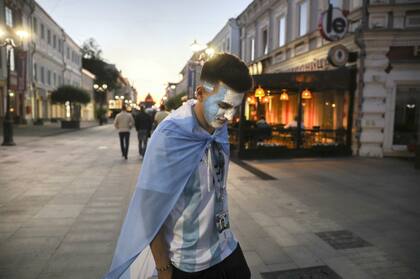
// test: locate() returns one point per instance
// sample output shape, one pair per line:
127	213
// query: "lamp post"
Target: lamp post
102	90
9	44
195	61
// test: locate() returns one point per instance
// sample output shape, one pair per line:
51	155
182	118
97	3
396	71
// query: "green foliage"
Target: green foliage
175	102
91	49
70	94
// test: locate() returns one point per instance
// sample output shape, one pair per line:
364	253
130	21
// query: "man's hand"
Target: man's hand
161	256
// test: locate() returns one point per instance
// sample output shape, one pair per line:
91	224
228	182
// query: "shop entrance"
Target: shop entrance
407	118
299	114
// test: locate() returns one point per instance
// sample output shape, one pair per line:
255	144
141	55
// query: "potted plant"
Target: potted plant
74	96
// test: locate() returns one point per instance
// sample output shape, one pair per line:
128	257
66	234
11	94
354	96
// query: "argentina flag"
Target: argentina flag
173	153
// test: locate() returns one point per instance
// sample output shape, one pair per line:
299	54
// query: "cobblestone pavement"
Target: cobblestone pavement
63	200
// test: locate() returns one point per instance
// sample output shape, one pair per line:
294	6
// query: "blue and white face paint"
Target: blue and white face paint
221	105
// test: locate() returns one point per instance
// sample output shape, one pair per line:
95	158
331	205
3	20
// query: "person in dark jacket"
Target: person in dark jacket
143	123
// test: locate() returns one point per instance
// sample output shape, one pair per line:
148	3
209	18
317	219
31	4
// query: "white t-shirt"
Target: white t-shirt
194	240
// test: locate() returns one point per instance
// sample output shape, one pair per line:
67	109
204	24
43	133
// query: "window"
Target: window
35	72
49	77
282	31
59	81
68	53
60	46
9	16
42	31
54	41
252	49
49	36
337	3
303	17
42	75
35	25
228	45
265	41
54	79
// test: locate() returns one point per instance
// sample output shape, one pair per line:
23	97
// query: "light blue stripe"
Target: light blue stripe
191	224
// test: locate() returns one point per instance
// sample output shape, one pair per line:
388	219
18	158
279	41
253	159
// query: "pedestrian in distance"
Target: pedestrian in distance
160	115
177	225
143	126
123	123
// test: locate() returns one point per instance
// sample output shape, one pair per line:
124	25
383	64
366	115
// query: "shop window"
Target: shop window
324	120
407	116
282	31
303	17
8	16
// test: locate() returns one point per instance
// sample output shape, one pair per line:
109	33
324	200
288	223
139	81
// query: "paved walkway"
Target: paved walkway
27	133
63	199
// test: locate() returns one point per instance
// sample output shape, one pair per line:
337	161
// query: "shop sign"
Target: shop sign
315	65
338	55
333	24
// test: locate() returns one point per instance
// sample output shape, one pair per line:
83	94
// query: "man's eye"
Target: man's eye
223	105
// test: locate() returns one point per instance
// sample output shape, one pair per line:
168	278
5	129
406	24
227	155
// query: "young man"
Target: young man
143	127
177	224
123	122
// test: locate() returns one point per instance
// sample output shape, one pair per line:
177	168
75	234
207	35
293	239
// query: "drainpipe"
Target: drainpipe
359	41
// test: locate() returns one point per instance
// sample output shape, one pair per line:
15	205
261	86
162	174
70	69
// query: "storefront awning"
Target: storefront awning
340	79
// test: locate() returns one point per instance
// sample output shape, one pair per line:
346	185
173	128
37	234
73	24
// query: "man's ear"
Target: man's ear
199	92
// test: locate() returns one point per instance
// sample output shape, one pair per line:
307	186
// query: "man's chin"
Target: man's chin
217	124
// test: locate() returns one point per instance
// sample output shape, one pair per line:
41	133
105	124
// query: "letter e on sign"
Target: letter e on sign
333	24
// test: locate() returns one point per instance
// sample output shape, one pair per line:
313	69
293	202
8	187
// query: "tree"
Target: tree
175	102
93	62
74	95
91	49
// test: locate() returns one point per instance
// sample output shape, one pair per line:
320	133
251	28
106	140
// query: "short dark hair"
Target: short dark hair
124	108
228	69
162	107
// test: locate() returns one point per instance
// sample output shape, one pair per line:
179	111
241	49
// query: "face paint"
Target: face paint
221	105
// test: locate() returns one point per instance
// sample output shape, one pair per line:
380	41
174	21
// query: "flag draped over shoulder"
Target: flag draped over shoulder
173	153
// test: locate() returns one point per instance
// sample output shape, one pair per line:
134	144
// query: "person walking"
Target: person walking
143	123
177	224
123	123
161	114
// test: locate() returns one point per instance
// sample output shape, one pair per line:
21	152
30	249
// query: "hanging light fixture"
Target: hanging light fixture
306	94
259	92
284	96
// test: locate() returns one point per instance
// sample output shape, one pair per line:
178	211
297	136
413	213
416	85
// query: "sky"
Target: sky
149	41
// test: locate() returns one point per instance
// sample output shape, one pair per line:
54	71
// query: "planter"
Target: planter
72	124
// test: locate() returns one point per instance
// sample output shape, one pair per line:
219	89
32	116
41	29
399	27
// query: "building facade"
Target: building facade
47	58
380	105
15	15
56	60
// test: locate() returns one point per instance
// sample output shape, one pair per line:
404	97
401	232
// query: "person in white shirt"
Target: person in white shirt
123	122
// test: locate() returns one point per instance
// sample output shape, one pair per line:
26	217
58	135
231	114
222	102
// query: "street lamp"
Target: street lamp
9	44
102	89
